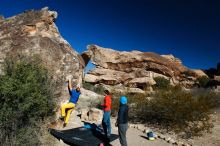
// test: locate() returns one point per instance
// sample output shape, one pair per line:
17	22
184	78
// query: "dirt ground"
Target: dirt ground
210	139
138	138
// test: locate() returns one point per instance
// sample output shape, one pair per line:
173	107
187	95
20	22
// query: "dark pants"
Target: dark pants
122	129
106	123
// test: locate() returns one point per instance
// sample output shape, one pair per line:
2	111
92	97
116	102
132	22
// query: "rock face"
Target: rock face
200	73
217	78
95	114
135	69
92	114
34	32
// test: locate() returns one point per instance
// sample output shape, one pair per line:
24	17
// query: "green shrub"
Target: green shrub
27	99
161	83
203	81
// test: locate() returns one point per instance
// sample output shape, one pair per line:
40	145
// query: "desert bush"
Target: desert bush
203	81
95	88
188	73
173	109
27	99
88	86
1	17
180	110
136	102
99	89
161	83
218	69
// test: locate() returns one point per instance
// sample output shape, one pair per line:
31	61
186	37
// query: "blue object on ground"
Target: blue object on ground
150	135
87	126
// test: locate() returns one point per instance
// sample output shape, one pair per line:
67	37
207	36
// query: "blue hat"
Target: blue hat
123	100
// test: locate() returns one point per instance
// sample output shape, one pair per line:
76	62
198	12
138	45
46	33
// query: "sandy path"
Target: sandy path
210	139
137	138
134	137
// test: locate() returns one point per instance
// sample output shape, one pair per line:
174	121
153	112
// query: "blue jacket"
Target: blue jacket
123	114
74	96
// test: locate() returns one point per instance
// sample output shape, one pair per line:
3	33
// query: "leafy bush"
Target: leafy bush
203	81
162	83
27	99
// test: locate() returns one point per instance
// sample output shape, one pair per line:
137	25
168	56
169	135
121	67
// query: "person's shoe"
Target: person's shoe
64	125
61	118
108	140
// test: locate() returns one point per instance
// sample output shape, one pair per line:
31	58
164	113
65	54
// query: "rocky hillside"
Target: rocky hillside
136	69
34	32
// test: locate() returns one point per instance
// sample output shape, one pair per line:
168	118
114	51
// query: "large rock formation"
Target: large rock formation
135	68
34	32
199	73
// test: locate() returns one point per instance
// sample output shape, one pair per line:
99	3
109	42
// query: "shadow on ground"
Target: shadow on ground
88	135
145	137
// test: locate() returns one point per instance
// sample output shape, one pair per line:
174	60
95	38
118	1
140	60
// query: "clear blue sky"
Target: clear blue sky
188	29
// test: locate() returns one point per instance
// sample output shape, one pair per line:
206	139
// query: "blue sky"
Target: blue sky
188	29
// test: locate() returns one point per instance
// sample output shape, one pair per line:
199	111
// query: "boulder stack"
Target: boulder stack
135	69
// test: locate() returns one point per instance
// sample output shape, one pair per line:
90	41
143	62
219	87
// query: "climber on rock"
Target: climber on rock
67	108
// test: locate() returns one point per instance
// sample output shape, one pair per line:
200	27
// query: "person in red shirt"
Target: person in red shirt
106	123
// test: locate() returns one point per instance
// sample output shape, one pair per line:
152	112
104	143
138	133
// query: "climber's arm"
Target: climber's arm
70	85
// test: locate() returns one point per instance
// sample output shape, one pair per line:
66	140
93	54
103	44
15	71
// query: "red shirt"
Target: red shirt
107	103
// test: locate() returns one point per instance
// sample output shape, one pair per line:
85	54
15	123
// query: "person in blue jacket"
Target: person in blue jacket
122	120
